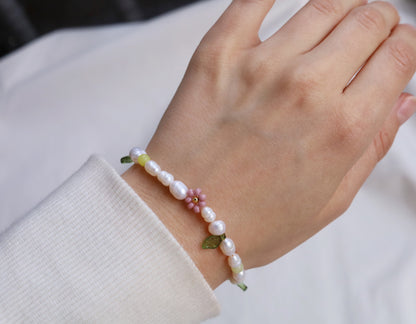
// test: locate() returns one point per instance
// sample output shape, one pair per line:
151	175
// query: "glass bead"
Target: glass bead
238	269
142	159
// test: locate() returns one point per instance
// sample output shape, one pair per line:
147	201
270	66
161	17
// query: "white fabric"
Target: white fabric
104	90
93	252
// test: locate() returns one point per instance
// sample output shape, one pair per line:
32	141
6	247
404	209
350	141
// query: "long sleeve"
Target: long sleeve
94	252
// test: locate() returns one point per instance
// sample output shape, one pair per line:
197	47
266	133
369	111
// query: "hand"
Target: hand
274	132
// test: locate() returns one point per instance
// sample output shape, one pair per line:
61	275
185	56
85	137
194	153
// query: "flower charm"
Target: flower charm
195	200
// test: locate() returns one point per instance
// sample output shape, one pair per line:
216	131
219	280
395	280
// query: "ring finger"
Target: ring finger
354	40
311	24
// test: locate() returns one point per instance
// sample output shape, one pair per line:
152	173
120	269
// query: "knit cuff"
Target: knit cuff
93	251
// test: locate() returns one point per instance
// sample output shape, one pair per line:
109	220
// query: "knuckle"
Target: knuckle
327	7
334	209
370	18
402	55
255	70
303	85
305	79
382	143
344	205
347	130
209	58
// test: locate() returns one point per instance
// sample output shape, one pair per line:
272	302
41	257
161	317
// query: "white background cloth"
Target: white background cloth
103	90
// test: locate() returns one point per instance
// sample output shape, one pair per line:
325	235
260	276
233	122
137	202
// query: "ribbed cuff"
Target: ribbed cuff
94	252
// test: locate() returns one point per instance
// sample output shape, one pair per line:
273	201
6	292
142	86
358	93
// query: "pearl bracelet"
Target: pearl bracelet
195	201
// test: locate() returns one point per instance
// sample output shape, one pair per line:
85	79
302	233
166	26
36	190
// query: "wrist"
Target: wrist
188	229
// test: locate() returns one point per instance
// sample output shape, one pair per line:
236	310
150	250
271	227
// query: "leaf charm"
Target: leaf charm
213	241
242	286
126	159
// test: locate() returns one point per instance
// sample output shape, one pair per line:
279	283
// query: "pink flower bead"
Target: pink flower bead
195	200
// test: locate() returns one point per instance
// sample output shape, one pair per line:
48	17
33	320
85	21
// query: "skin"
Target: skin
274	132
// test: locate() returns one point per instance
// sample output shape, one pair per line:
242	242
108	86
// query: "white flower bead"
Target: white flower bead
234	260
217	227
165	178
178	189
152	168
239	277
208	214
227	247
135	152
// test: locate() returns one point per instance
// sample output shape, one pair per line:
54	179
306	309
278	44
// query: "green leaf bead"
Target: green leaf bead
211	242
242	286
126	159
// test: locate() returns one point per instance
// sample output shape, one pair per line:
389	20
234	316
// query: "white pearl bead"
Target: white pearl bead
227	247
165	178
208	214
178	189
239	277
152	168
217	227
234	260
135	152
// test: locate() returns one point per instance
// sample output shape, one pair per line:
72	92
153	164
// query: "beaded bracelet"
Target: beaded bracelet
195	201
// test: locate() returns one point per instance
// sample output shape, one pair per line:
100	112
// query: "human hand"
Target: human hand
274	132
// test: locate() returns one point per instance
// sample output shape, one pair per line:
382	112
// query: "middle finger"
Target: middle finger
353	41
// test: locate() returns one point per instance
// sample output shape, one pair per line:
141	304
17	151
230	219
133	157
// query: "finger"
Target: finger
240	23
353	41
383	78
354	179
310	25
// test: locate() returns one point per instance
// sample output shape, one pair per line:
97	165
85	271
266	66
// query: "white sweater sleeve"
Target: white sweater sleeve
94	252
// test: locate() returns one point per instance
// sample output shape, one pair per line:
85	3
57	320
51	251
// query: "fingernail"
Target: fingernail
406	109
